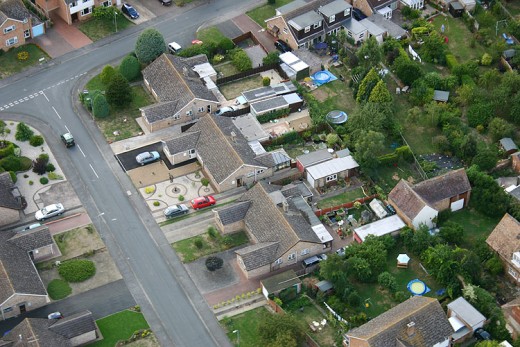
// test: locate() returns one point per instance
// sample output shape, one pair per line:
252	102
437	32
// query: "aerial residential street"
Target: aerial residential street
154	275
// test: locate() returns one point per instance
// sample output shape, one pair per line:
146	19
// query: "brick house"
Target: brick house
21	288
283	230
182	96
11	203
17	24
505	241
382	7
73	10
419	321
303	24
420	203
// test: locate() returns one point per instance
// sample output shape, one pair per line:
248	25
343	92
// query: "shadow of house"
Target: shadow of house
21	288
11	202
505	241
76	330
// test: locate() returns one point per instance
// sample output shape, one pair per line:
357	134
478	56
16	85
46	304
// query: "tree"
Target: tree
359	268
225	44
23	132
486	159
214	263
407	70
386	280
150	44
486	195
468	147
421	93
332	139
486	60
100	106
271	58
370	53
439	261
334	270
106	13
367	84
273	328
452	232
499	128
118	91
40	164
368	147
380	93
107	74
480	113
434	48
241	60
130	68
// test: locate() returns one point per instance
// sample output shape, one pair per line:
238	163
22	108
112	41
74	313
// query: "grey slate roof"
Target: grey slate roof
304	20
234	213
334	7
466	311
391	28
354	26
264	92
183	142
291	6
35	333
74	325
32	239
271	159
13	9
259	254
315	157
389	329
7	198
377	4
508	144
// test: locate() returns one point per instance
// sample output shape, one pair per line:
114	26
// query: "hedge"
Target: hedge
77	270
7	150
267	117
16	164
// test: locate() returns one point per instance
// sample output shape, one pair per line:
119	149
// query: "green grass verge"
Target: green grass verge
211	34
10	65
97	28
342	198
247	325
476	225
58	289
261	13
119	326
188	252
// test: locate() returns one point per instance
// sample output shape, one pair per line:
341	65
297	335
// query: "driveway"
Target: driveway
127	159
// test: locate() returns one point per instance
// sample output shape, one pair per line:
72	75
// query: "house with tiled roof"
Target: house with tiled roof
76	330
73	10
182	95
382	7
420	203
419	322
302	24
228	160
511	312
17	24
282	231
21	288
11	202
505	241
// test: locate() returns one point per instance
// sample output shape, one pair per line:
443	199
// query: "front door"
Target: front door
239	182
22	308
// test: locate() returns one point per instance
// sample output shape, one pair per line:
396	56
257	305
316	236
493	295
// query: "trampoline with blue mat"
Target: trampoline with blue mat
322	77
417	287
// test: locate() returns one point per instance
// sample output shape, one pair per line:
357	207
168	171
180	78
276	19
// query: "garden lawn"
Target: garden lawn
342	198
119	326
234	89
476	225
10	64
226	69
211	34
247	324
97	28
336	95
388	176
188	252
261	13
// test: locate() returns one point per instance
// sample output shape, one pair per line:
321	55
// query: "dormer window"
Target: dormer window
332	18
346	12
317	25
516	259
307	29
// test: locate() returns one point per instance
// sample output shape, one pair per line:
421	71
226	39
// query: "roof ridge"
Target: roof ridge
33	333
221	133
4	270
181	76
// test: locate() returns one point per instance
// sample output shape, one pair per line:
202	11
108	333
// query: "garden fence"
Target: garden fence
419	167
240	75
324	211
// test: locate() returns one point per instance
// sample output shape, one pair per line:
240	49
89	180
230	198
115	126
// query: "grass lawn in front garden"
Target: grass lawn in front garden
98	28
342	198
188	251
247	325
119	326
211	34
261	13
476	225
10	64
234	89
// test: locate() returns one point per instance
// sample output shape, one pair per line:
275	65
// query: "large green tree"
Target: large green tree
118	91
150	44
407	70
499	128
100	107
380	93
367	84
452	232
130	68
370	53
369	146
486	195
274	329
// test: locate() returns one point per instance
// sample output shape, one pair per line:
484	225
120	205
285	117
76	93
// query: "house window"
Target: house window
307	29
317	25
285	30
177	116
86	11
346	12
27	33
8	309
512	272
9	29
11	41
73	4
278	261
191	151
259	171
304	251
361	35
332	18
189	113
331	178
291	256
84	1
201	109
349	33
107	3
209	109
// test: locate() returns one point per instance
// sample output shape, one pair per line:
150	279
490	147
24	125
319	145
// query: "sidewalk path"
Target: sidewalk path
68	223
245	23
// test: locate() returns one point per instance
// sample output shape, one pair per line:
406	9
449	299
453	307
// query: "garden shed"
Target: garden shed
508	145
275	284
441	95
456	9
464	318
289	101
331	171
385	226
312	158
469	5
294	67
324	286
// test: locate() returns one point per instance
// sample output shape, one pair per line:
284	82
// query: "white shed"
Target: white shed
381	227
469	5
330	171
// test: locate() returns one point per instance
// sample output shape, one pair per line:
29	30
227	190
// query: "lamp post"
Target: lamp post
238	336
115	20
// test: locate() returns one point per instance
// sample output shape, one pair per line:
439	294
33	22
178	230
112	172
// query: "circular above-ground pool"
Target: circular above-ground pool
321	77
337	117
417	287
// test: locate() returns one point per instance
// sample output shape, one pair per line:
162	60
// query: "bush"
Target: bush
451	61
58	289
241	61
156	203
31	183
214	263
23	132
40	165
266	81
50	168
386	280
149	45
44	180
16	164
226	44
77	270
198	243
13	176
181	198
204	181
130	68
486	59
353	299
212	232
36	140
6	148
271	58
106	74
118	91
100	106
54	176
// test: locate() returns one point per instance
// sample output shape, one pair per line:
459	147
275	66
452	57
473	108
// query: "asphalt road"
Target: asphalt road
43	97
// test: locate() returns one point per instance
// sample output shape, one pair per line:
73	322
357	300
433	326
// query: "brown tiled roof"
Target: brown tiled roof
379	3
7	199
505	238
390	328
406	199
444	186
13	9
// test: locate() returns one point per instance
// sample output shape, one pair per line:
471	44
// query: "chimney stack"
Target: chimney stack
410	328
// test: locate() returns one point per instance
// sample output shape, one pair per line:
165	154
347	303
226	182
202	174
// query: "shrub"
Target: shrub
130	68
225	44
204	181
486	59
266	81
214	263
212	232
106	74
31	183
77	270
181	197
50	168
118	91
13	176
271	58
198	243
149	190
23	132
353	299
241	61
23	55
451	61
54	176
16	164
150	45
100	106
59	289
36	140
44	180
386	280
217	58
156	203
40	165
6	148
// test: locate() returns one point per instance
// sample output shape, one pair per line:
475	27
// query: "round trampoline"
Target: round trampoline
337	117
321	77
417	287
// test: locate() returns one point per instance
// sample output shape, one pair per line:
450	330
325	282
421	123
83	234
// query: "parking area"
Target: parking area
128	162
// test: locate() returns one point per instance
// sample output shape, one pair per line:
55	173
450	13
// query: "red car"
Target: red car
202	202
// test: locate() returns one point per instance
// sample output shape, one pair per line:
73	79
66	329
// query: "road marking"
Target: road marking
128	193
46	97
66	128
16	102
26	98
21	100
1	108
11	104
55	110
31	96
114	219
95	173
82	152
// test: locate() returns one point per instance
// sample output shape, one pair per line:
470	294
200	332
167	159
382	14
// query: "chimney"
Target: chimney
410	329
233	137
185	71
285	206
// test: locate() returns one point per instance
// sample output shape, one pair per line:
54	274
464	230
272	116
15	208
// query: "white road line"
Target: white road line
11	104
46	97
16	102
82	152
93	170
21	100
1	108
35	94
26	98
55	111
67	129
31	96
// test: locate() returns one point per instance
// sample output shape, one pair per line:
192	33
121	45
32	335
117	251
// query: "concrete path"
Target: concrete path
247	24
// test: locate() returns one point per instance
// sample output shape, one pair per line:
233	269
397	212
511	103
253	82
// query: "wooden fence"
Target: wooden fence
244	74
324	211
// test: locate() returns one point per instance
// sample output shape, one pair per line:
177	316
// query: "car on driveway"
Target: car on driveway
223	110
482	335
55	315
147	157
282	46
166	2
68	140
32	226
49	211
175	211
203	201
130	11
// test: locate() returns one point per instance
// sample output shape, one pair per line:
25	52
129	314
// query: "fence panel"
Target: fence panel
240	75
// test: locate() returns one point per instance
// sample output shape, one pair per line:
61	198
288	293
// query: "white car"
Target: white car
224	110
49	211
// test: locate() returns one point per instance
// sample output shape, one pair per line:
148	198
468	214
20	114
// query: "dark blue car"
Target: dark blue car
130	11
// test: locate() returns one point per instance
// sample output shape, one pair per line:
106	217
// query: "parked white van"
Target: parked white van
174	47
